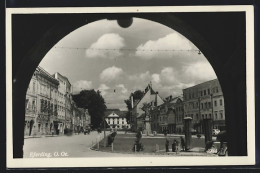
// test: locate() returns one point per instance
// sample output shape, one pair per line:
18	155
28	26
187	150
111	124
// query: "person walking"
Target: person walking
167	145
182	144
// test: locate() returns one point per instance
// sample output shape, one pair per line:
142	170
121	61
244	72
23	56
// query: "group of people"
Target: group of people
175	145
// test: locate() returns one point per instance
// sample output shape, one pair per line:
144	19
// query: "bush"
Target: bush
138	145
110	138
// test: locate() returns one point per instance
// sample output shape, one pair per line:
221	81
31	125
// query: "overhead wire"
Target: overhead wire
126	49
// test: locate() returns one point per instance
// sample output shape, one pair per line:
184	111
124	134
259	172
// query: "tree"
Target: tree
94	102
137	95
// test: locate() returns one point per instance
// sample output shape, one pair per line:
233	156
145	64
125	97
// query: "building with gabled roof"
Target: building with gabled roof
116	119
137	113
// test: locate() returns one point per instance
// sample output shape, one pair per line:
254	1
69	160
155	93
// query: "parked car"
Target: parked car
215	132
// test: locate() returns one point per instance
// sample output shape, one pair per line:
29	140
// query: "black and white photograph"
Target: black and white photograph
130	86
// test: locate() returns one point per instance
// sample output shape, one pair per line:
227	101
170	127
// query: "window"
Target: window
201	105
205	92
206	116
33	87
216	89
197	116
202	116
221	115
201	93
205	104
26	103
33	105
208	91
220	102
209	115
215	103
209	104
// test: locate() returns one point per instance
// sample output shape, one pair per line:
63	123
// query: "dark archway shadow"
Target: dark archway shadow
220	36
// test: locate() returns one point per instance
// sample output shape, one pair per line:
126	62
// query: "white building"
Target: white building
116	119
64	102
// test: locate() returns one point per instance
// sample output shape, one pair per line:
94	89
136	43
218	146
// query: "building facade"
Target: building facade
205	101
49	106
41	104
116	119
65	102
179	115
137	113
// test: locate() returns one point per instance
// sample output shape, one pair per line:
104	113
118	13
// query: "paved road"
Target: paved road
62	146
69	146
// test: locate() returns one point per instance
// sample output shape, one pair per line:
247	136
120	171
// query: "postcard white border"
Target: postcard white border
136	161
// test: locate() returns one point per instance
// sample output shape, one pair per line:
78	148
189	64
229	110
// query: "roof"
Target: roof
171	101
152	94
115	113
64	77
47	75
198	85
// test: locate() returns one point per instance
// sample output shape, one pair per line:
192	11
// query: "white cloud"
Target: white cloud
142	76
122	88
110	74
108	41
172	41
103	88
199	71
82	84
156	78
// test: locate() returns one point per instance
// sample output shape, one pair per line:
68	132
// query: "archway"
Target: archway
34	35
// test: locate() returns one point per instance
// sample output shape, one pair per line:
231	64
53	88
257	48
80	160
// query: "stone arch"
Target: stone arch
204	30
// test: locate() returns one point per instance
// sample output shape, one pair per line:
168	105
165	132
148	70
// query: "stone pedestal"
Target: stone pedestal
207	123
187	129
147	126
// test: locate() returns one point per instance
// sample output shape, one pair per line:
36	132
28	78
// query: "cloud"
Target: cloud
173	41
122	88
110	74
82	84
156	78
141	76
199	71
103	88
114	96
108	41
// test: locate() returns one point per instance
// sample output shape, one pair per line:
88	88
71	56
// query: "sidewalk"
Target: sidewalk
41	136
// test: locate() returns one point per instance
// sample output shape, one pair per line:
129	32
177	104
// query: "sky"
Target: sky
117	61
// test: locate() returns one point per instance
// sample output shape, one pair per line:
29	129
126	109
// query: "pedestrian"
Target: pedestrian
52	131
174	146
182	144
167	145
